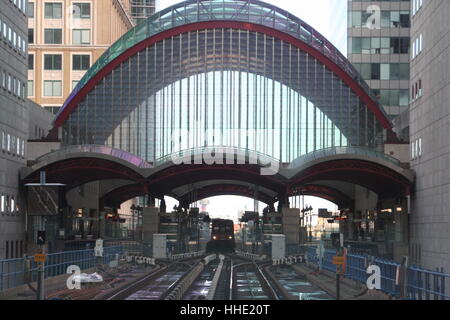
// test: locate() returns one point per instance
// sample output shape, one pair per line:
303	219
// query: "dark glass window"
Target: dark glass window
395	45
30	9
80	62
52	62
52	36
30	35
375	71
53	10
404	45
82	10
30	61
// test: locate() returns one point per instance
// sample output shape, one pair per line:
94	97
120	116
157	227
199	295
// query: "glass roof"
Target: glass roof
252	11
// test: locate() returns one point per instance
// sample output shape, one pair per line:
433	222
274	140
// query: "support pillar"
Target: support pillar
291	226
150	223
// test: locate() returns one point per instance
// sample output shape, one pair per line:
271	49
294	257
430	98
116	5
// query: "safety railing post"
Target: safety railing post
427	286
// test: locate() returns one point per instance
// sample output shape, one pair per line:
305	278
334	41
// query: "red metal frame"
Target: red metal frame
372	105
325	192
77	171
224	190
378	178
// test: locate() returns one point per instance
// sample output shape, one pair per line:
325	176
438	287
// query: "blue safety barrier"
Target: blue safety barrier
327	263
312	255
427	285
356	267
17	272
388	276
421	284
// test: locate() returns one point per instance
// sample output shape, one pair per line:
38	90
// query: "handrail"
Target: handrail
123	155
318	154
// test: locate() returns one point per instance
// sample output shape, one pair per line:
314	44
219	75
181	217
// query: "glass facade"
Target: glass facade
222	87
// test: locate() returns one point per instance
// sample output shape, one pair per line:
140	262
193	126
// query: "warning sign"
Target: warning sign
338	260
39	257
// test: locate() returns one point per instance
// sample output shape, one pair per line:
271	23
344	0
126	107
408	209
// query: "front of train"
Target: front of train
222	236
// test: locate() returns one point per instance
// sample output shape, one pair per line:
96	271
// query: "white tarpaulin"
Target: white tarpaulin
88	278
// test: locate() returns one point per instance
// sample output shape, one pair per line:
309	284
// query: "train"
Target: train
222	237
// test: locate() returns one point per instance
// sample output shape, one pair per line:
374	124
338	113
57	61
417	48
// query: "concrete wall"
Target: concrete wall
13	124
150	223
430	122
398	151
291	226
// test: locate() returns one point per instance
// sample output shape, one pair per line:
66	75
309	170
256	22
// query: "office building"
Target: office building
379	48
66	38
429	130
142	9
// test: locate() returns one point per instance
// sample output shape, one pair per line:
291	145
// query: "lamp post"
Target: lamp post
133	211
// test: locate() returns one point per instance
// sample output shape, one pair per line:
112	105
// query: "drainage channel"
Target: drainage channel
246	284
297	286
200	288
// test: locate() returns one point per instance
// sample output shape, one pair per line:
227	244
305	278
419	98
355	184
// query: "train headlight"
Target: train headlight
230	237
214	238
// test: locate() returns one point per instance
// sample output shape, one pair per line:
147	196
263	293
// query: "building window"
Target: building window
30	35
53	10
81	62
30	88
30	10
9	83
52	88
8	142
416	149
416	5
81	10
53	36
75	83
416	90
30	61
52	62
53	110
2	203
389	19
81	36
417	46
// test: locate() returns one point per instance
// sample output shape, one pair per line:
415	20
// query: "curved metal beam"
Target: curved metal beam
224	190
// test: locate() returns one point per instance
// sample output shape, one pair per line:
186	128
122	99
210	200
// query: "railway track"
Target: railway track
156	285
250	282
227	278
239	279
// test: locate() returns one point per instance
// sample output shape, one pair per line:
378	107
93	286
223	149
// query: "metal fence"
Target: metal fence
133	247
17	272
421	284
428	285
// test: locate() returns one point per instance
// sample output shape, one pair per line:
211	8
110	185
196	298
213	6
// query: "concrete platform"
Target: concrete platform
349	289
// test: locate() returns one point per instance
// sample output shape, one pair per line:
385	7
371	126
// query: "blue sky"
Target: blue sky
329	17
